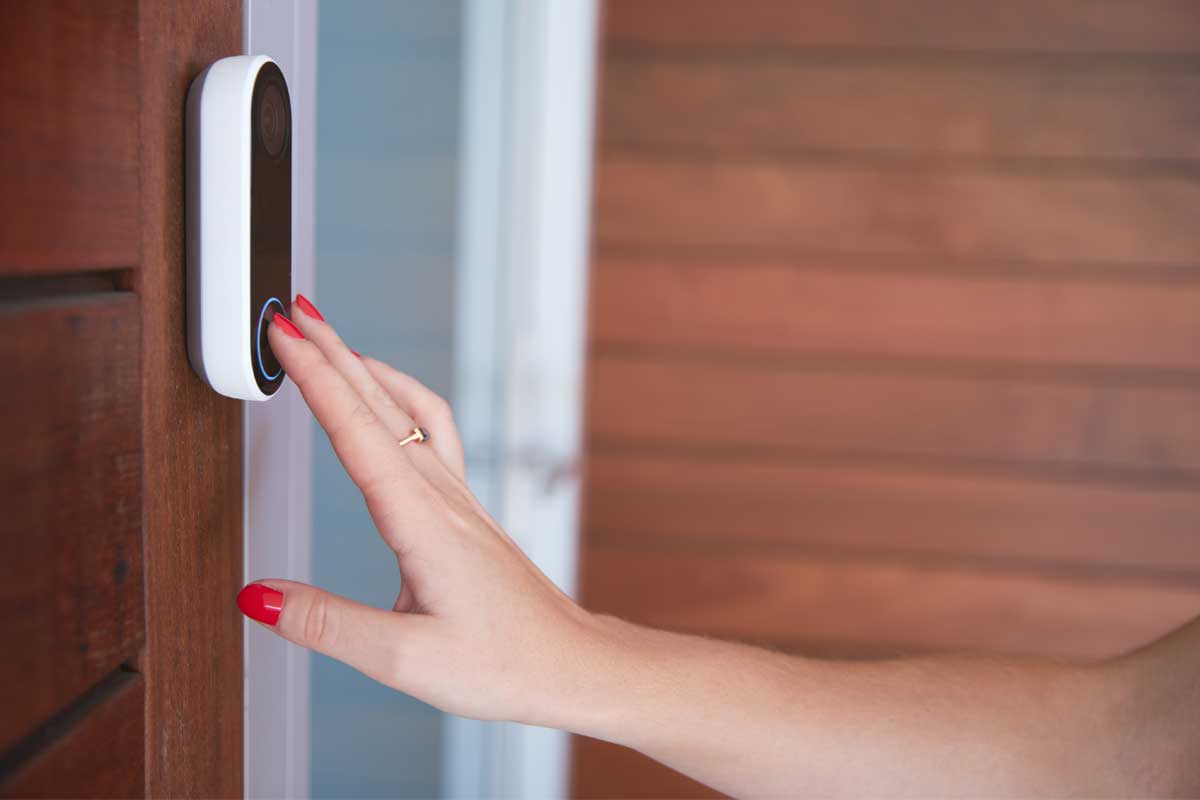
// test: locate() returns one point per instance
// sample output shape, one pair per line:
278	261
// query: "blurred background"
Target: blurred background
895	329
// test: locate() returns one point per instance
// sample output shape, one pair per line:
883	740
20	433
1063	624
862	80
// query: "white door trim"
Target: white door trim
278	445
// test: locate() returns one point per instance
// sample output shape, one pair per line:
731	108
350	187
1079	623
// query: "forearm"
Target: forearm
752	722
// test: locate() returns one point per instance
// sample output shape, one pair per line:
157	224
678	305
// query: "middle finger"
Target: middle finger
322	334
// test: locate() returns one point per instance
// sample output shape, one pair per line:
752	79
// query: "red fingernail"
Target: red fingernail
260	603
356	353
287	326
308	308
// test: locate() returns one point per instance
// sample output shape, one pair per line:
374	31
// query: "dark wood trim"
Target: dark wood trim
192	446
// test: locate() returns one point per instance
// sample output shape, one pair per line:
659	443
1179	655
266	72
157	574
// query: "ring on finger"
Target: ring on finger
418	435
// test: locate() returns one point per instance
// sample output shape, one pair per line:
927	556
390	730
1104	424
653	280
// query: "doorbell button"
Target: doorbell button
268	366
239	222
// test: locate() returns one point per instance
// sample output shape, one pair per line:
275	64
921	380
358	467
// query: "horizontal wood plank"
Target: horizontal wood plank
68	136
815	308
1156	27
748	505
70	487
605	770
898	210
829	604
895	414
95	753
901	108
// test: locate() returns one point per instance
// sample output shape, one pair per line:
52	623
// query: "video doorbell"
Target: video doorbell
239	222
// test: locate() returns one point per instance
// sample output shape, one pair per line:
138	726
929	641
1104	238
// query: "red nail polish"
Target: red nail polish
260	603
356	353
287	326
308	308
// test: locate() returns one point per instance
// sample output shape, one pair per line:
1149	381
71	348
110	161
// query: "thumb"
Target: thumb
377	643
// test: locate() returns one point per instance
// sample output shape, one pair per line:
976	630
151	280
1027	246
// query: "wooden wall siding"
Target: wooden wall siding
895	329
944	107
817	207
695	501
1146	27
1057	322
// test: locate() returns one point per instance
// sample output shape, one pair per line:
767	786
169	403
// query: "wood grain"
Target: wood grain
902	107
607	770
192	446
752	504
70	489
68	136
1156	27
886	605
816	308
95	753
898	210
894	413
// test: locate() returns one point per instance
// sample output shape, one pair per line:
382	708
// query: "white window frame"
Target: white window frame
529	92
278	445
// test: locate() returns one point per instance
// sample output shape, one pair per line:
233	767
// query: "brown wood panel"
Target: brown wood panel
927	108
193	446
68	136
887	605
899	210
70	489
753	504
1159	27
820	309
607	770
894	413
95	752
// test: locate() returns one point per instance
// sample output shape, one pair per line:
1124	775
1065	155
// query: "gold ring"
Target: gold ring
418	435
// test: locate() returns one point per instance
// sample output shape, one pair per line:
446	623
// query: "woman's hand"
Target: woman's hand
476	629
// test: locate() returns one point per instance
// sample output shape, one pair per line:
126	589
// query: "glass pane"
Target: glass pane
389	91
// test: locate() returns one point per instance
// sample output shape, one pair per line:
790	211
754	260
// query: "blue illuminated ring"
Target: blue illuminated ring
258	338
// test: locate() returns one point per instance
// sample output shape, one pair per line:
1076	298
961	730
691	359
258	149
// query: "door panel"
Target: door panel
120	471
94	750
70	487
68	136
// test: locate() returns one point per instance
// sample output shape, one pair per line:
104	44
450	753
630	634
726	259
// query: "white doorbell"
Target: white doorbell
239	222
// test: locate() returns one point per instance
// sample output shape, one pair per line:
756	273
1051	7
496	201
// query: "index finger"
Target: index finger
371	455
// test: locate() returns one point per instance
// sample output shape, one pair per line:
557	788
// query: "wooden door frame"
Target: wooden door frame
191	444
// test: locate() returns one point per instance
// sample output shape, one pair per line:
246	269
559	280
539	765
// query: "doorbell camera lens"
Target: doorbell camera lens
273	123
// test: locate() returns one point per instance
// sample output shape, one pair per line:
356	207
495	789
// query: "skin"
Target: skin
477	630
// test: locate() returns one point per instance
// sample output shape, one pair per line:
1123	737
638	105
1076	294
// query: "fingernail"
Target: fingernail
260	603
356	353
287	326
308	308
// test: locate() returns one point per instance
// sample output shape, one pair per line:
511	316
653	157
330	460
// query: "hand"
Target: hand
477	629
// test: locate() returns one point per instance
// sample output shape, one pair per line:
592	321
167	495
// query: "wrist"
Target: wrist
592	673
